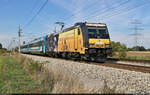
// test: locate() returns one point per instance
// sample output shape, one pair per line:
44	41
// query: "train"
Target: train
83	40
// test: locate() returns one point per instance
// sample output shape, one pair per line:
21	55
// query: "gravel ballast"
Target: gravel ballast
94	76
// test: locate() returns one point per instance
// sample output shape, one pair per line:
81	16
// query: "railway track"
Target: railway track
136	68
130	60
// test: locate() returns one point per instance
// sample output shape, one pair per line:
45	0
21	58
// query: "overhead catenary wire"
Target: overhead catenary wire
32	19
87	9
33	8
76	12
105	10
115	13
38	12
119	11
128	10
68	17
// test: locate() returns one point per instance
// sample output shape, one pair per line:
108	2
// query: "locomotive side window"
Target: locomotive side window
78	31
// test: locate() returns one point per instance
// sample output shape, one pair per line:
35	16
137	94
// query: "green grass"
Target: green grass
14	79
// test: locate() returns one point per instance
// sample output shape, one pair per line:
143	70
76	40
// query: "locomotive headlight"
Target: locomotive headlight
107	45
92	45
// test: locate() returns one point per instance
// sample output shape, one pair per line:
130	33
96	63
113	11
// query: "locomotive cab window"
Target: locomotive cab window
98	33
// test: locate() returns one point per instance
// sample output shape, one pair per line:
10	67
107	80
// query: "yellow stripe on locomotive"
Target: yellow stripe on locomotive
99	43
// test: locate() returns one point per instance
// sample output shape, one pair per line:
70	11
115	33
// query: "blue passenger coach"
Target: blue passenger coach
37	46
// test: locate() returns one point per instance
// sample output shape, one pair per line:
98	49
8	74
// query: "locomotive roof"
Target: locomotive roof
85	24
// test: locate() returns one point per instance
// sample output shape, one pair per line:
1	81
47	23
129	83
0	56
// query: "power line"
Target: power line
105	10
86	9
115	13
78	12
128	9
41	8
33	8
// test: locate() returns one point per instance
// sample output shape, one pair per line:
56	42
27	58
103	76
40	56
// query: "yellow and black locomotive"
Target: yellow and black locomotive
83	40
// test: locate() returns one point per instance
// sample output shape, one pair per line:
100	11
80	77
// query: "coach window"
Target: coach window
78	31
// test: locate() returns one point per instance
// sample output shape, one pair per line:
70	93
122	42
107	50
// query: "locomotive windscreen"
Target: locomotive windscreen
98	32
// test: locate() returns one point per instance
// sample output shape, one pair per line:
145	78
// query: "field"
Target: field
135	55
138	53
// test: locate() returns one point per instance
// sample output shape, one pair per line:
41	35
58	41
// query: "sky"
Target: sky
117	14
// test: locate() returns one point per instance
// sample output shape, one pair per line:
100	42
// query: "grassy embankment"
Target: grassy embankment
19	74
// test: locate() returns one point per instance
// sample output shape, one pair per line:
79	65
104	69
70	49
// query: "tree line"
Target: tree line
120	49
117	46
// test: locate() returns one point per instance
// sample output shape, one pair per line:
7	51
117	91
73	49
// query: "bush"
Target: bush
122	54
1	46
148	49
138	48
2	51
118	47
